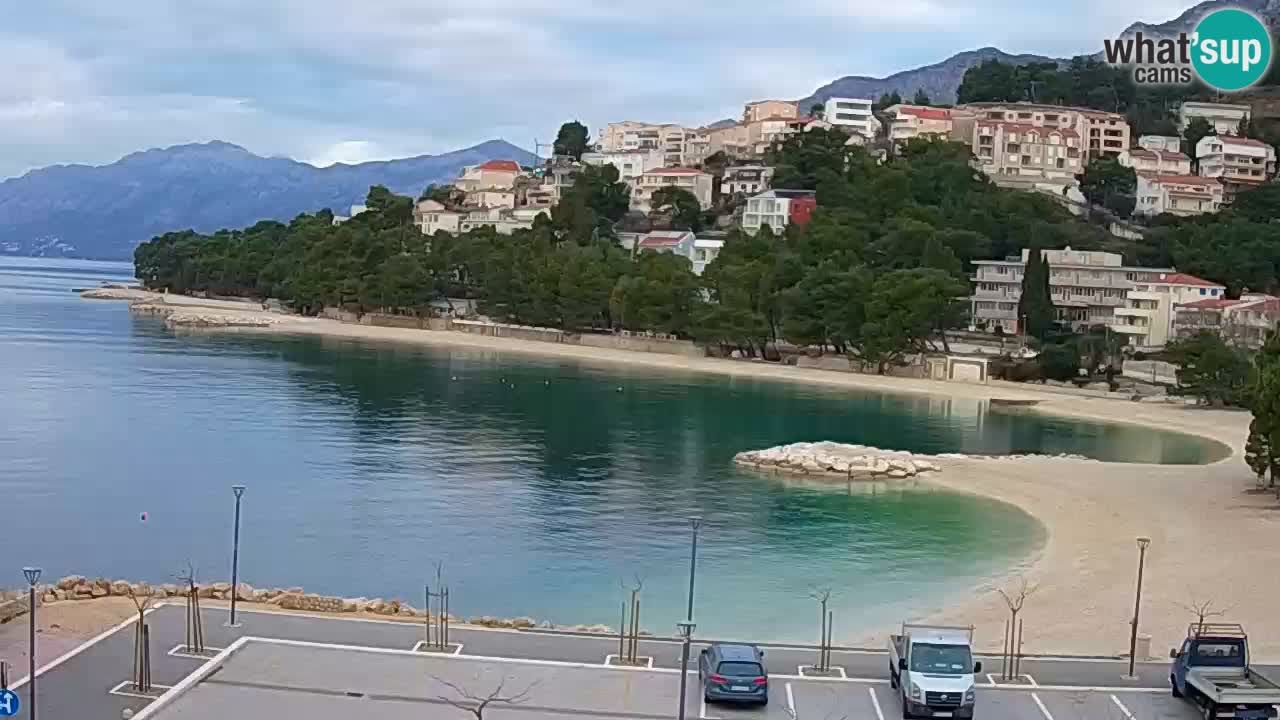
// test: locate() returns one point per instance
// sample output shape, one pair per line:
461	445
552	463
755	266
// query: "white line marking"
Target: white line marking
875	702
191	680
1043	709
702	707
120	690
181	651
1123	709
612	660
839	670
1082	688
791	701
78	649
1031	680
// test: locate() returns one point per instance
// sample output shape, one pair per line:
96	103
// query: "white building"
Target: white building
1224	118
746	180
431	216
1245	322
675	141
698	251
1236	161
1086	287
853	115
1026	153
1167	143
1162	162
1146	320
492	175
631	164
1177	195
695	181
777	209
912	121
704	251
505	221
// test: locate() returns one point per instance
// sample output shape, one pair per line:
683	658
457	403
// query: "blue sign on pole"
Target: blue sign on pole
8	703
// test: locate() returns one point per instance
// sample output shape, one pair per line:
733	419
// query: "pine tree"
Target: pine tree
1257	451
1035	307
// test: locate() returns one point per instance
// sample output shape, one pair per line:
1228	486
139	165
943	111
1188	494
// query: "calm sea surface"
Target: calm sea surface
540	485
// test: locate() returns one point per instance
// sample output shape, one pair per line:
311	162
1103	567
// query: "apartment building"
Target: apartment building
1011	150
1181	195
492	175
1238	162
761	109
700	252
745	180
734	141
912	121
693	180
853	115
1162	162
1167	143
631	164
1224	118
504	220
431	216
672	140
1086	286
1101	134
1146	321
1245	322
778	209
490	198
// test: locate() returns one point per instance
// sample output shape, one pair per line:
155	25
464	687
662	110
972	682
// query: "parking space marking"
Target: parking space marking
1123	709
875	702
181	651
991	679
14	685
1031	680
421	645
1040	704
791	701
613	660
702	707
120	690
839	669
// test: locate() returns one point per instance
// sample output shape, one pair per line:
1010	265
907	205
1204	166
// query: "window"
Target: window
1202	291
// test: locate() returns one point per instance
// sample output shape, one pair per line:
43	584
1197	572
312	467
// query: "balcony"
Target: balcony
995	314
1128	328
1134	312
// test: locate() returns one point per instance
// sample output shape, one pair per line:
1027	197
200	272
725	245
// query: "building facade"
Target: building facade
912	121
1100	134
1182	195
778	209
745	180
853	115
1167	143
1147	318
1086	287
672	140
761	109
1224	118
695	181
631	164
431	216
1161	162
1027	152
1239	163
492	175
1245	322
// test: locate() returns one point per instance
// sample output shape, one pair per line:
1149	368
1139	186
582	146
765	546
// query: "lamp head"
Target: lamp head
238	490
685	628
32	574
1143	542
695	522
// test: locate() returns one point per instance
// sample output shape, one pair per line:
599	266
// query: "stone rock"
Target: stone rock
221	587
244	591
523	622
260	596
140	589
83	590
120	587
99	592
375	606
171	590
49	596
204	591
350	606
282	597
899	474
295	590
70	582
103	583
158	592
60	594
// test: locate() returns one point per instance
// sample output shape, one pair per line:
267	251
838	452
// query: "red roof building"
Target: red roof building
500	166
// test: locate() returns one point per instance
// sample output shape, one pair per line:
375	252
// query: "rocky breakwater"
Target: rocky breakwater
79	588
858	462
201	316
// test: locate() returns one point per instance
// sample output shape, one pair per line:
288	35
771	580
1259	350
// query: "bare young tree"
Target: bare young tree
1202	609
475	703
1015	598
823	596
195	624
141	597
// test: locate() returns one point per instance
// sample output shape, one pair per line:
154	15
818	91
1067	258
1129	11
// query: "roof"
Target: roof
787	194
925	113
675	171
1233	140
1183	279
501	165
1209	304
664	238
1027	127
730	651
1157	154
1179	179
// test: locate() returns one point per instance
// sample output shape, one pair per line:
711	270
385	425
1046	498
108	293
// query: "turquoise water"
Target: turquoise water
541	485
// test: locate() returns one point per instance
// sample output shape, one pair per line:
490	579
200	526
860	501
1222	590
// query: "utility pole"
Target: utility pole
1143	542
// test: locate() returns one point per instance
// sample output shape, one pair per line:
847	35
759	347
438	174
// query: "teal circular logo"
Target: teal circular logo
1231	49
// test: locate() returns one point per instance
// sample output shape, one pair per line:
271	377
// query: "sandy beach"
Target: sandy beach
1212	533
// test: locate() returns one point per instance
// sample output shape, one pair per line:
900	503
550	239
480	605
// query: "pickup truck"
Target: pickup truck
933	667
1211	669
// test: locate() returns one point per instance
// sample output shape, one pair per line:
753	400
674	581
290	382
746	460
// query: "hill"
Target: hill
939	80
104	211
1187	21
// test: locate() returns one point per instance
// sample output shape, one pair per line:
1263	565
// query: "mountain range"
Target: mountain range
103	212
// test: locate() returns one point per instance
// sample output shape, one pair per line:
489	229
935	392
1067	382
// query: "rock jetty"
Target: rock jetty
838	460
199	316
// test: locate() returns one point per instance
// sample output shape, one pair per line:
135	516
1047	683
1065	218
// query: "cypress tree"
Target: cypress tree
1035	306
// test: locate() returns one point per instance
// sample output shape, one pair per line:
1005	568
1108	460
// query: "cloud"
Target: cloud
328	81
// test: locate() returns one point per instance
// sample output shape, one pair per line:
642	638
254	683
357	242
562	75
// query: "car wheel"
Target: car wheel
893	679
1174	685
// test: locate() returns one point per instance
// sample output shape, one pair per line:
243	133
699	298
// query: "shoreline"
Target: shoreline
1212	536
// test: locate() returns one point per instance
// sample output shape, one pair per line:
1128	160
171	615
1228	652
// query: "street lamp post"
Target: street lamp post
695	523
685	629
33	576
1143	542
235	556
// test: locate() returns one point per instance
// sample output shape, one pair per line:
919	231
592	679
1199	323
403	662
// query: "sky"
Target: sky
327	81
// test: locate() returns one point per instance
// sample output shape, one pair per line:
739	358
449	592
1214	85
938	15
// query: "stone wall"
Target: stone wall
386	320
639	343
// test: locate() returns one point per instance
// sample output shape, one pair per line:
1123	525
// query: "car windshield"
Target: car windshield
740	669
941	659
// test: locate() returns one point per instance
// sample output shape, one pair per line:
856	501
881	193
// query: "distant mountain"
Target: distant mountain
1186	22
939	80
105	211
